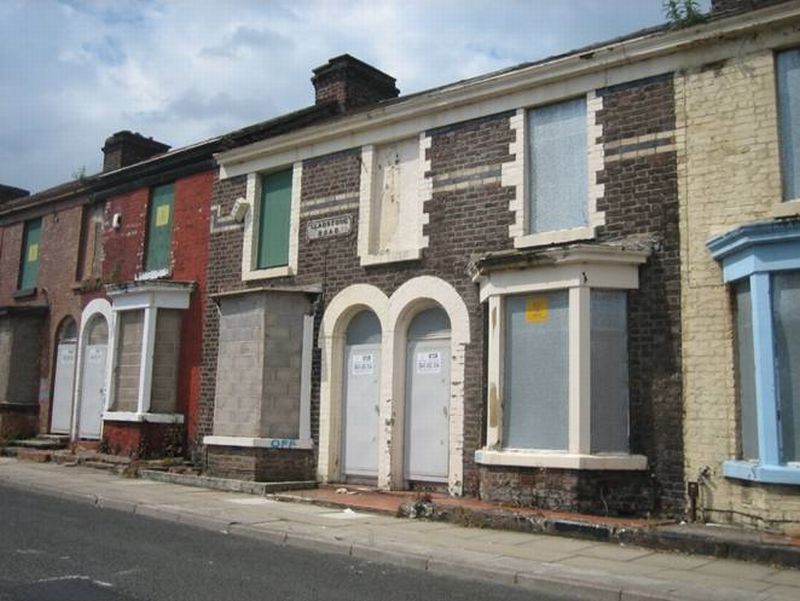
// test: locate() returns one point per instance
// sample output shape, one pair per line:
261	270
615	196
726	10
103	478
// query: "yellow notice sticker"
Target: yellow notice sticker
33	253
536	309
162	215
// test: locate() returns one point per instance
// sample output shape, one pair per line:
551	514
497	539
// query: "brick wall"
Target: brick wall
640	203
58	257
729	175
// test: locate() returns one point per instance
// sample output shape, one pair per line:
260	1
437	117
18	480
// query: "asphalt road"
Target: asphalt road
55	550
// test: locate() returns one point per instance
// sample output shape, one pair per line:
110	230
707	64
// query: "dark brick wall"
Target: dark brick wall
143	440
640	200
261	465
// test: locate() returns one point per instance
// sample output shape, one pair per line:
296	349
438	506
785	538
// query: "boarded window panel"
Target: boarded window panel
745	373
536	362
159	233
273	233
788	70
609	376
786	315
558	166
29	261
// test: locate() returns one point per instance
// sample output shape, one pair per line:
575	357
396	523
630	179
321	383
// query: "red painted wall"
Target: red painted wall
124	256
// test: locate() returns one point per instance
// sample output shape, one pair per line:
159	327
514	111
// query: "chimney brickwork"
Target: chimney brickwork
351	83
126	148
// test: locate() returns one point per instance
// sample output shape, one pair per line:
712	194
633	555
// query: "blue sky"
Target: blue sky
74	71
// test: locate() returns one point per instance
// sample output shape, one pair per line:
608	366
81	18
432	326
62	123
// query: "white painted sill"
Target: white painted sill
555	237
150	418
155	274
523	458
260	443
397	256
788	208
265	274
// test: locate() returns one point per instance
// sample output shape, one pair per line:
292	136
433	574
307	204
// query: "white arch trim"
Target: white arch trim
395	314
98	306
407	301
342	308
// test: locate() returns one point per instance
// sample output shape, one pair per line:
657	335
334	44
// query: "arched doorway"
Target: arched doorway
64	377
93	377
360	396
427	397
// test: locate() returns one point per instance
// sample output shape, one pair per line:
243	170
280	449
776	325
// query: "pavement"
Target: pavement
581	569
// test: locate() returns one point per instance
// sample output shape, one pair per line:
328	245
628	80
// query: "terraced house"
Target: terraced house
569	284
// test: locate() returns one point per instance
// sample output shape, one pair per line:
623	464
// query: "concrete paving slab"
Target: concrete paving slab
624	568
534	553
617	552
715	582
499	537
736	569
790	592
786	578
674	561
554	543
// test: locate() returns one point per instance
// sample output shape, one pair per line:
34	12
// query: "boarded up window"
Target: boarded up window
91	251
274	216
129	356
557	146
788	86
159	233
29	261
746	375
609	375
536	389
786	316
395	210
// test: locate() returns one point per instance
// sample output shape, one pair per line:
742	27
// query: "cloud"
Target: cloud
74	71
246	38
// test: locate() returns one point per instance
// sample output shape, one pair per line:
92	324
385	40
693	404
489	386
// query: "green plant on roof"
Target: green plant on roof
683	13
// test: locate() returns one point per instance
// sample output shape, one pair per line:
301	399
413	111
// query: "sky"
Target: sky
72	72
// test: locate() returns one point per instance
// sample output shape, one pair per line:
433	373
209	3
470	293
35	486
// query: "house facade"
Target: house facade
739	118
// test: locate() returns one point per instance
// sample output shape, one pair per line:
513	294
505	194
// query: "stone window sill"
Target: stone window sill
524	458
759	472
150	418
396	256
789	208
555	237
154	274
261	443
24	293
265	274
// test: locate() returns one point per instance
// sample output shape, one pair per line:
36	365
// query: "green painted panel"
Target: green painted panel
29	261
273	231
159	233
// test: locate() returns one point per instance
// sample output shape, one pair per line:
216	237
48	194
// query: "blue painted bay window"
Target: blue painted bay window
761	262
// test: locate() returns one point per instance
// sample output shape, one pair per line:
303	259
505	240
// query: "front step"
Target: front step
43	442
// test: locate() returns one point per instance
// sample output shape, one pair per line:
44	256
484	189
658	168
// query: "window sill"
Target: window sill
24	293
788	208
555	237
396	256
265	274
261	443
519	458
758	472
154	274
150	418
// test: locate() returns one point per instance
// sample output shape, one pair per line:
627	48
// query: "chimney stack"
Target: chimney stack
351	83
126	148
10	193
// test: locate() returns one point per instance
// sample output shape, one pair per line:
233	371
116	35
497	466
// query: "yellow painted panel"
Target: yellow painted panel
162	215
536	309
33	253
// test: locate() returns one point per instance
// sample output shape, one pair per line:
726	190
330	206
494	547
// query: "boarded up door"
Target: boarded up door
61	419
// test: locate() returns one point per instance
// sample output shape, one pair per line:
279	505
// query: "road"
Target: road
56	550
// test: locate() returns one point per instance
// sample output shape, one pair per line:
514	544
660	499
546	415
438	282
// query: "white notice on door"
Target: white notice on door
363	364
95	353
429	362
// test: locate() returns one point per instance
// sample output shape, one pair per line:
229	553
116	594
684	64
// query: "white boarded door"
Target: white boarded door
428	397
361	394
93	378
64	380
